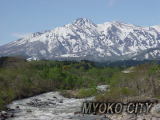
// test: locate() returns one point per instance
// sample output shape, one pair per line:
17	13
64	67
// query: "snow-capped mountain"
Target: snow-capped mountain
84	39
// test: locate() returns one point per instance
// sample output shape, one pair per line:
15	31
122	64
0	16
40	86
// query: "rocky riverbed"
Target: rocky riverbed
53	106
49	106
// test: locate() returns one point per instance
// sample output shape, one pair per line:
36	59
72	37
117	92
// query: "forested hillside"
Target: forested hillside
20	78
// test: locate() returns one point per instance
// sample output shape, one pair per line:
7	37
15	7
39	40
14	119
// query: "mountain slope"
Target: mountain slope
85	40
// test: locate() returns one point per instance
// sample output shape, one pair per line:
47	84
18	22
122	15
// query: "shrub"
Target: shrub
82	93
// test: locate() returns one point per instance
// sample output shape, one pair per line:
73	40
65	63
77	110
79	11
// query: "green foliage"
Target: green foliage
19	78
116	94
82	93
143	80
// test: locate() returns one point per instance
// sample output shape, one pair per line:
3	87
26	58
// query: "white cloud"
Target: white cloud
20	35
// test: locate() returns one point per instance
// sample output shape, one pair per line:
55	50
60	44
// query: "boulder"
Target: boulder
155	111
103	88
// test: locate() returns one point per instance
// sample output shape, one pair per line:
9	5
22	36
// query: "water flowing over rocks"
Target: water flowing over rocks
48	106
53	106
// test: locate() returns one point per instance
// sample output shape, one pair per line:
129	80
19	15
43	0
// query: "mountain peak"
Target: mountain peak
157	27
83	21
85	40
121	23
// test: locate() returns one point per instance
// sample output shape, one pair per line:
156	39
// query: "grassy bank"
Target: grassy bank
141	82
19	78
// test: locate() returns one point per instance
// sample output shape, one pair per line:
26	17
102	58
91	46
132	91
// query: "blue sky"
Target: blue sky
21	17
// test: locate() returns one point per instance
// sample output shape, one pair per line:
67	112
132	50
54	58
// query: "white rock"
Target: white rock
102	88
155	111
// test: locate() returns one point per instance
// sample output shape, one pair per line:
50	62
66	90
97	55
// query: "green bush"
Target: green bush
19	79
116	94
84	92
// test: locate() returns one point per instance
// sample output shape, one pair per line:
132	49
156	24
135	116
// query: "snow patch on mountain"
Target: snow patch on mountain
84	39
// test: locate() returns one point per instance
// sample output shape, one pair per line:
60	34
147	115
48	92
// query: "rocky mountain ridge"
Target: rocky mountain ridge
85	40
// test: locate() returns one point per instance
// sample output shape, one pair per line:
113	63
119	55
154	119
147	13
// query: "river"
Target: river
53	106
49	106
